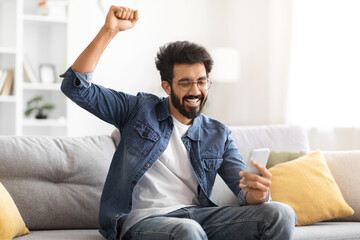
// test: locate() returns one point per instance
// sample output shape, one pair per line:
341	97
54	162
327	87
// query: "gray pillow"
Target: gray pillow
56	182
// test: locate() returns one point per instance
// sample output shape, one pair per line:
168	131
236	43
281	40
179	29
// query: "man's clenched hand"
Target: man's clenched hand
121	18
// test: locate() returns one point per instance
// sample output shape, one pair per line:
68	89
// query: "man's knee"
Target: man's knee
189	229
281	219
283	212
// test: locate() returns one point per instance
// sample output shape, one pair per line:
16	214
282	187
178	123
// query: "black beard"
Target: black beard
193	112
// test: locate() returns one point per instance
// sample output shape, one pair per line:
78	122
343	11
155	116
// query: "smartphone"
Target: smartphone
260	155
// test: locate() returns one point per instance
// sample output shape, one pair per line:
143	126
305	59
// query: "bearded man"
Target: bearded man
161	177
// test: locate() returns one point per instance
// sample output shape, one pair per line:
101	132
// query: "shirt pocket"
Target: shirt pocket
142	139
212	164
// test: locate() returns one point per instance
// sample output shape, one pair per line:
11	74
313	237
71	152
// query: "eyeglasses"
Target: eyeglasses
186	84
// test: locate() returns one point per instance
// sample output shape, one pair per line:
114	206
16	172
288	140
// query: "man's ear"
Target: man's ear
166	86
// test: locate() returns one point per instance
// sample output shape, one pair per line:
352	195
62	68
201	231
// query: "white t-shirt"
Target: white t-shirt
168	185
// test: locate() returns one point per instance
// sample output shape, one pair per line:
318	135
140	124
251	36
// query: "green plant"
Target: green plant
34	104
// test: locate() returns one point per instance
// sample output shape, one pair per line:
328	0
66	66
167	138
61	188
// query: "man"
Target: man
161	177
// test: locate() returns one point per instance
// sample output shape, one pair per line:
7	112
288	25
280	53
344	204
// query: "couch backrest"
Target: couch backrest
56	183
276	137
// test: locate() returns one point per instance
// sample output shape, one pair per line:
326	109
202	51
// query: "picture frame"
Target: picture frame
47	73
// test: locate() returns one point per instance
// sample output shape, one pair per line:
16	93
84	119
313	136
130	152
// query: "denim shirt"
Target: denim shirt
145	124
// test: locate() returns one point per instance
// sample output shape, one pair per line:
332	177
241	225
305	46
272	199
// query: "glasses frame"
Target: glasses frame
181	86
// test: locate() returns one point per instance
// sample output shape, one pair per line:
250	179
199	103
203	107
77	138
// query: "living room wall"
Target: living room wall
128	62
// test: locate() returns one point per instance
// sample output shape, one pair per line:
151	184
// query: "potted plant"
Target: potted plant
34	104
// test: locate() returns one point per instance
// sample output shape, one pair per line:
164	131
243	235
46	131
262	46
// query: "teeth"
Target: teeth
193	100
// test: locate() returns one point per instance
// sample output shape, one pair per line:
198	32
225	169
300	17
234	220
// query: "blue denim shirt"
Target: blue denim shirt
145	124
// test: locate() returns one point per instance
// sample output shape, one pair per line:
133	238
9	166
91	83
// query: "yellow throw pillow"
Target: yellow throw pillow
11	223
307	185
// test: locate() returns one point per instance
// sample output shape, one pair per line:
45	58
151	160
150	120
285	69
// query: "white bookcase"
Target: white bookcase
41	39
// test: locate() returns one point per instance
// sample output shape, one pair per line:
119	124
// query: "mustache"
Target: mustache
193	97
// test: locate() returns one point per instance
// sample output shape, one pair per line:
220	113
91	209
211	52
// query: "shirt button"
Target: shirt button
133	182
117	215
166	137
130	204
211	167
147	165
145	134
161	149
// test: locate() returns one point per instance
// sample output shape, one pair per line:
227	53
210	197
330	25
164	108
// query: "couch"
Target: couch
56	182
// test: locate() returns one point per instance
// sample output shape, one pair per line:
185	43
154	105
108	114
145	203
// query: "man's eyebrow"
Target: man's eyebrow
185	79
203	78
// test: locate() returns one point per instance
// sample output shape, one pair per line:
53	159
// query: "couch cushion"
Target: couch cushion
307	185
56	182
11	223
76	234
328	230
345	167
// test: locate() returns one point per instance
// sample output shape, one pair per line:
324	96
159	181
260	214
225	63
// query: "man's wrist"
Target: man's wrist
107	32
250	199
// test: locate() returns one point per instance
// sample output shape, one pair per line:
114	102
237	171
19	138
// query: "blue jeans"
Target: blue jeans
272	220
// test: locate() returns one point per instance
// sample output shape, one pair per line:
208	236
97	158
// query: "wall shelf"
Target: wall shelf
31	122
44	19
7	99
42	86
7	50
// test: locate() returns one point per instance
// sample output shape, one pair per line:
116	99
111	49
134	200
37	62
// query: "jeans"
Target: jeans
271	220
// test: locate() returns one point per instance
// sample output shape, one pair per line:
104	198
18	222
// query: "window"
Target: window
325	64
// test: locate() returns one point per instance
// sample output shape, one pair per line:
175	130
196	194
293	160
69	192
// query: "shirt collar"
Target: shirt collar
163	109
194	131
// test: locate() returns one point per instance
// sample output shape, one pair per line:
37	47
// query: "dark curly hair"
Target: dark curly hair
181	52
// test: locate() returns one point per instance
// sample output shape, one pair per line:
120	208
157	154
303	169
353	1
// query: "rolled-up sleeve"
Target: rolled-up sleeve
242	198
80	79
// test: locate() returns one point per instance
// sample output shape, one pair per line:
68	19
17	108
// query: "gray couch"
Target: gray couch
56	182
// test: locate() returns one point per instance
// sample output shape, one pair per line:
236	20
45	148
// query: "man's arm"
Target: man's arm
233	172
109	105
257	187
118	19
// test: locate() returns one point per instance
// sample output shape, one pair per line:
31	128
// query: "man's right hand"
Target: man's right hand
118	19
121	19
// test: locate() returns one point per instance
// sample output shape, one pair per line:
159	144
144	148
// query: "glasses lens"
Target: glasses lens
204	84
201	84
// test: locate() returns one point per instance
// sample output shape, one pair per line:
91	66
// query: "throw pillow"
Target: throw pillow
307	185
11	223
277	157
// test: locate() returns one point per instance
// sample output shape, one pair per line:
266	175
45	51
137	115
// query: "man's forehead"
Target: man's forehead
181	70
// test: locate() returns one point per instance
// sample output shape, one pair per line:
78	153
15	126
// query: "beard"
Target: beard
192	112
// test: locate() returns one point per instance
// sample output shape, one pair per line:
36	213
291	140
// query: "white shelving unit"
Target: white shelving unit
41	39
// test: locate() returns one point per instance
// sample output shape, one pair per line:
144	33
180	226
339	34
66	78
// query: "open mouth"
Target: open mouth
193	101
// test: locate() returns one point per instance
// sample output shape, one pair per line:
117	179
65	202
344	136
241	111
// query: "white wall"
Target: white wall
128	62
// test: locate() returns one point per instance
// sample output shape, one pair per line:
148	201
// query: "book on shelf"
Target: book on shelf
7	87
29	73
2	78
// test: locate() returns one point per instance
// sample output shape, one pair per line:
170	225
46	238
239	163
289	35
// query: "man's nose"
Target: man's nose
194	89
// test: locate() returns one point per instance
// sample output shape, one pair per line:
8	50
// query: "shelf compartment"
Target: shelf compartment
31	122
